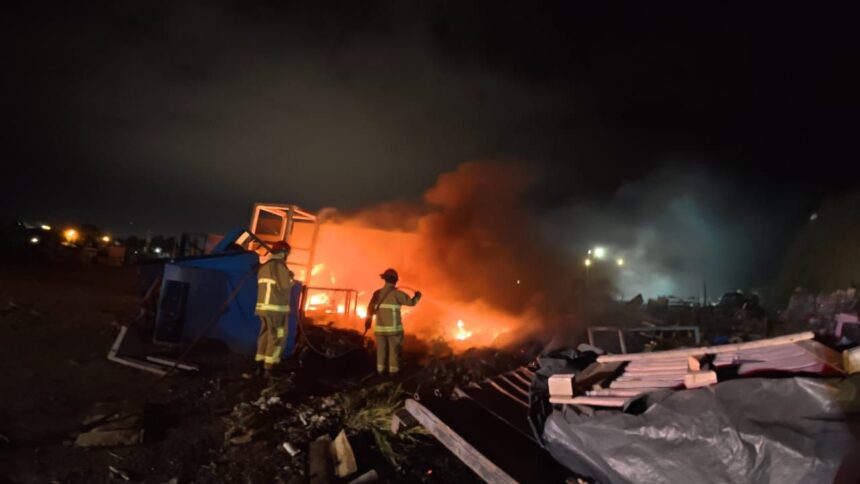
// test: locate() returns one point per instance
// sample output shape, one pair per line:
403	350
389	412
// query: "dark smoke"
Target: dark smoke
482	239
826	254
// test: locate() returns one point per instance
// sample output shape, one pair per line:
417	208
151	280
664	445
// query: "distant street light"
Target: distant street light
46	227
620	262
587	262
106	238
157	250
599	252
71	235
34	240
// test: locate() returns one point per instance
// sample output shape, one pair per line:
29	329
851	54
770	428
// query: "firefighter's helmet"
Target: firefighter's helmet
280	246
390	275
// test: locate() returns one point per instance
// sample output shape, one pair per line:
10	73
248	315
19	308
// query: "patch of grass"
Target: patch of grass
370	410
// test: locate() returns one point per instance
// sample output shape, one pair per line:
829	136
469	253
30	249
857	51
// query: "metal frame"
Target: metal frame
290	214
350	302
593	329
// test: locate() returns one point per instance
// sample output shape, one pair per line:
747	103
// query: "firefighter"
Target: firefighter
274	284
385	305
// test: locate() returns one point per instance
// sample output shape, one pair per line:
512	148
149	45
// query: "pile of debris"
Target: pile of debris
823	313
780	409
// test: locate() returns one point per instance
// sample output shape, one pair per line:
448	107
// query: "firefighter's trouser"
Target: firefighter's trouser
388	348
270	342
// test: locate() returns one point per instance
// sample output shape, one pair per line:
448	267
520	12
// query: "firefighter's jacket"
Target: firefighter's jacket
386	302
274	284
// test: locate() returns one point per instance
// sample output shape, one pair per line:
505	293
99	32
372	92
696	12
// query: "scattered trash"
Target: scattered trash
366	478
120	428
319	461
113	355
292	450
169	363
116	456
116	473
343	457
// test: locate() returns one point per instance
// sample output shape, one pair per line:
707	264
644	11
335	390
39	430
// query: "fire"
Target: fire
359	254
317	300
461	333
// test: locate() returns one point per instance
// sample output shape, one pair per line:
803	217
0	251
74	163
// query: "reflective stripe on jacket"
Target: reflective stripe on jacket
388	317
274	283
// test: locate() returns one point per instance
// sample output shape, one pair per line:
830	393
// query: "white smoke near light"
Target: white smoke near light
676	231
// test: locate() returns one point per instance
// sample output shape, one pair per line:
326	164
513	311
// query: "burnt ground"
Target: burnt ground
57	323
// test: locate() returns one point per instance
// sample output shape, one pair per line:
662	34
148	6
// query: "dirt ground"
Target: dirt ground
57	323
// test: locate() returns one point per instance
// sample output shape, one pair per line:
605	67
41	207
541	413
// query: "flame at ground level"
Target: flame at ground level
460	333
359	255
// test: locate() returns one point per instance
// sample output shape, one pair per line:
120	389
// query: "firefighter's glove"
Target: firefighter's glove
417	294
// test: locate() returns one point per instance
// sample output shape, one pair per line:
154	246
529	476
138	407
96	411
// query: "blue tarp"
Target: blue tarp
211	279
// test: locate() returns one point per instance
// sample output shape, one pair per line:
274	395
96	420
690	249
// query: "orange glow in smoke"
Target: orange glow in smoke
461	333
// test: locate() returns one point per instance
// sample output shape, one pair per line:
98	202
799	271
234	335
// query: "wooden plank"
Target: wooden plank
508	394
483	467
597	373
700	379
518	376
662	355
528	373
646	384
823	354
523	389
693	363
618	392
613	402
805	365
561	384
656	369
662	377
851	360
499	406
402	420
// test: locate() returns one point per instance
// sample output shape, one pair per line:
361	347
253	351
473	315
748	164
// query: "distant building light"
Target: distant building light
45	227
34	240
813	217
71	235
105	238
157	250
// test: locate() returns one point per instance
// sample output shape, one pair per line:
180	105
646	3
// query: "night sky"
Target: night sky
177	116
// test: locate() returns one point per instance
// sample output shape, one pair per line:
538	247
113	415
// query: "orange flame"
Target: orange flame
360	254
461	333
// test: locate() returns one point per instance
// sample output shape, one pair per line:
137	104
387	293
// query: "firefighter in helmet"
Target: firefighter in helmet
385	305
274	284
